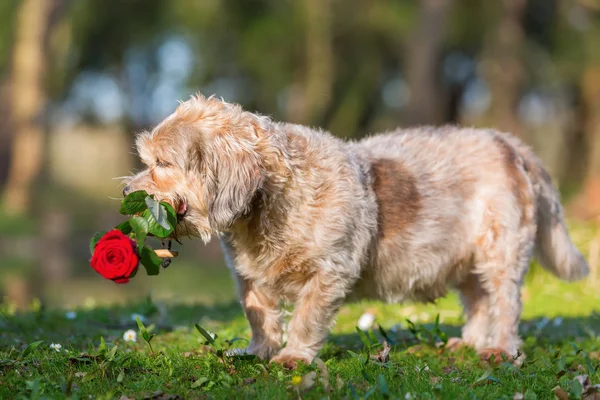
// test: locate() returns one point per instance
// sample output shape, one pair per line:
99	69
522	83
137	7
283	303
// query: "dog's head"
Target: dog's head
203	159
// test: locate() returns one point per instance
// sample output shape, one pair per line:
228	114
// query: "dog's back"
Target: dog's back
449	199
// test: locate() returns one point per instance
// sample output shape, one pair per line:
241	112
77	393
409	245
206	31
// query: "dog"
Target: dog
307	218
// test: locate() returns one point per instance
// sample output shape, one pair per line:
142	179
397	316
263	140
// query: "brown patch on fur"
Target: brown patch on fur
397	196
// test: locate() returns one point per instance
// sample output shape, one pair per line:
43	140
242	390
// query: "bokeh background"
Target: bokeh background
79	78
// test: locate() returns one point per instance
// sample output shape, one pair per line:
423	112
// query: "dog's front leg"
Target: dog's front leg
263	314
313	316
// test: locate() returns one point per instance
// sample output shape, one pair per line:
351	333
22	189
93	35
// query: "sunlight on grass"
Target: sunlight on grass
86	346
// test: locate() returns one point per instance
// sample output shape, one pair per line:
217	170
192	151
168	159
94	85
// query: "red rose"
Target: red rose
115	257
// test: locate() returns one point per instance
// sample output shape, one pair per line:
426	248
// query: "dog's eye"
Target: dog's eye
161	164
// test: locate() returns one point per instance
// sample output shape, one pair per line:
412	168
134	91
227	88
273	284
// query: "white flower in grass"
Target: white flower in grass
557	321
56	347
70	315
365	322
130	336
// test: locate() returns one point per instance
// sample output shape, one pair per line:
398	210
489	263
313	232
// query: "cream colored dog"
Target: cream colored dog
308	218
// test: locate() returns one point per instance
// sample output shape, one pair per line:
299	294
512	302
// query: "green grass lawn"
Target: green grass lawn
561	330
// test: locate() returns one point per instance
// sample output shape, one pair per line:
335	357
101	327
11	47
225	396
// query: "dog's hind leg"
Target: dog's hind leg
503	262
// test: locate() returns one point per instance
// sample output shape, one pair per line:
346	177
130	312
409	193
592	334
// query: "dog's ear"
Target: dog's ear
236	177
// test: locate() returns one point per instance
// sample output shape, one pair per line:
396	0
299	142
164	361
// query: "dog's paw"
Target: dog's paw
263	352
455	344
494	355
499	356
289	361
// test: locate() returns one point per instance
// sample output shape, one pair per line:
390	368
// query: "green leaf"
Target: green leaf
373	342
102	348
576	389
171	214
384	334
483	377
353	354
124	227
370	392
111	354
150	261
155	228
145	332
121	376
31	347
208	337
140	227
159	212
363	337
383	387
141	326
134	203
90	376
95	240
353	391
199	382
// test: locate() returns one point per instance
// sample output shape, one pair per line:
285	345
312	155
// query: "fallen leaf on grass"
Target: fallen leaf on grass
83	358
323	372
416	349
560	393
159	395
80	374
383	355
308	381
588	391
434	380
248	381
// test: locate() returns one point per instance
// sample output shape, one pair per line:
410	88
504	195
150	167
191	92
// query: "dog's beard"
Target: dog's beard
192	226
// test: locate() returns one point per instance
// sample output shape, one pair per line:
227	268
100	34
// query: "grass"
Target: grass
561	331
560	328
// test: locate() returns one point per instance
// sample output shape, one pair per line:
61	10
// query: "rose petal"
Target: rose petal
115	257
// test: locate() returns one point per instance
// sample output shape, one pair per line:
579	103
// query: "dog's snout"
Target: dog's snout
126	191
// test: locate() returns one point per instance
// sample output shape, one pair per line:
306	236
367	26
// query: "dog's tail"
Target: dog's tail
553	247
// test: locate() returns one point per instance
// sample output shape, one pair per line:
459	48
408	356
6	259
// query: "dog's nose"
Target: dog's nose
125	191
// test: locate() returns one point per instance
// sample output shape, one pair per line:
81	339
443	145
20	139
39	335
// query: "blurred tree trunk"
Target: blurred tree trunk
427	103
310	98
588	203
503	65
319	57
27	101
5	130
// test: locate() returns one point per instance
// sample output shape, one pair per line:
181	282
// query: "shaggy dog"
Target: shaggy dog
307	218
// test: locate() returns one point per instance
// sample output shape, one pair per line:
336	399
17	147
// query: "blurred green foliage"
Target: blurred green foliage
353	67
